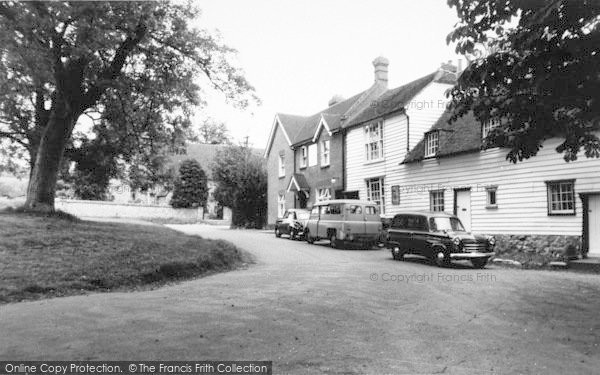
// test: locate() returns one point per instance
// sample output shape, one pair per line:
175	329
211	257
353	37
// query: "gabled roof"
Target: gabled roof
464	135
391	100
298	183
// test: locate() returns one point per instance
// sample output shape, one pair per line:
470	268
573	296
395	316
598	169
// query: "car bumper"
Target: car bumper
473	255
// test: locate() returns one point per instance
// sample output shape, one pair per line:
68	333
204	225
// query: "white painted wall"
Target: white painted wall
109	209
423	111
521	195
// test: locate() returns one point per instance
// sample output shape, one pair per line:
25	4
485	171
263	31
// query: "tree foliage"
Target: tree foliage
136	68
213	132
241	179
538	76
191	188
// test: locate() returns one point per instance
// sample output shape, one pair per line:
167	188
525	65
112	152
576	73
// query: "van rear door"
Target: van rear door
355	220
372	221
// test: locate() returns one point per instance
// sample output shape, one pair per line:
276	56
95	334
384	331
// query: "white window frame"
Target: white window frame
488	126
561	197
325	153
376	193
374	141
432	143
303	157
313	153
323	194
436	200
280	205
281	166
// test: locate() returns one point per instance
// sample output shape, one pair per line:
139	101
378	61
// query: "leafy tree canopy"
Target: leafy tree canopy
135	68
538	76
213	132
191	186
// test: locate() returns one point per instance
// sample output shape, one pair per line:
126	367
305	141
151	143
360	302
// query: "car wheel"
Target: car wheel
333	240
292	234
277	232
479	263
308	237
397	253
441	259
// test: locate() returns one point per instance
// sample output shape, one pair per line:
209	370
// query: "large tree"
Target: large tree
537	75
241	178
136	64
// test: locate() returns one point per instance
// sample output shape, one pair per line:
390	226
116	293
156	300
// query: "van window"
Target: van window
370	210
331	209
355	210
315	211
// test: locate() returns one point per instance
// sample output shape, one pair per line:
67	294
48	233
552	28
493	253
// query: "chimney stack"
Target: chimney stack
335	100
381	70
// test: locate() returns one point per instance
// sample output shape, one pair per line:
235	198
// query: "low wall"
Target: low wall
537	250
111	209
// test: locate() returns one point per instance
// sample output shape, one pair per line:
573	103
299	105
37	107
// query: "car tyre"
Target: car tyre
397	253
333	240
308	237
479	263
277	232
292	234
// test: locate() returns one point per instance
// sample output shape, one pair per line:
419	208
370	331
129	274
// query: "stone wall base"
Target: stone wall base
538	250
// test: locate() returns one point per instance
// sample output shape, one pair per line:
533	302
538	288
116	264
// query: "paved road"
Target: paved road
313	309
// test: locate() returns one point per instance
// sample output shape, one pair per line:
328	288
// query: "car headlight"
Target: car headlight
457	243
491	240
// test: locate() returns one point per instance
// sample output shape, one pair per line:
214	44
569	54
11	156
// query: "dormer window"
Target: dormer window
487	127
432	143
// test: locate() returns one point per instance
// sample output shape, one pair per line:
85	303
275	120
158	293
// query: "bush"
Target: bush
190	188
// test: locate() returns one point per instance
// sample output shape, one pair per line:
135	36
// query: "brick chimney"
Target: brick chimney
381	70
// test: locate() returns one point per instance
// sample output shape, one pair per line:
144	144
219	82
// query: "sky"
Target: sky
298	54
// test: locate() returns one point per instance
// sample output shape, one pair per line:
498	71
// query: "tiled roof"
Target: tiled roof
463	135
301	128
205	154
391	100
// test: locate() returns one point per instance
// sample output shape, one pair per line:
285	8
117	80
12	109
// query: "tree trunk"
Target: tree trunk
43	176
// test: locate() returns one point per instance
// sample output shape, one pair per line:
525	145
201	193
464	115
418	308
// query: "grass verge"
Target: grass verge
56	255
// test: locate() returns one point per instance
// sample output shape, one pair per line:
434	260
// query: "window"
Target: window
324	153
432	143
416	223
281	166
561	197
396	195
312	155
355	210
374	141
487	127
436	200
323	194
280	205
331	209
370	210
303	157
375	192
491	197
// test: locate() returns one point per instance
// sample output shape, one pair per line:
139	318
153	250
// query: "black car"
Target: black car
292	223
438	236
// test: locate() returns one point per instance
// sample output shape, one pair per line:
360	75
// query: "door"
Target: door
593	228
462	207
372	222
355	220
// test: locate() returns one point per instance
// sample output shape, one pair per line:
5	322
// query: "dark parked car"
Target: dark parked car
292	223
438	236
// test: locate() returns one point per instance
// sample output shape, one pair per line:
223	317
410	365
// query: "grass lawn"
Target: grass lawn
44	256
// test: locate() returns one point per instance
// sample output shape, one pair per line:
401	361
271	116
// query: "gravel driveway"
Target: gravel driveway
313	309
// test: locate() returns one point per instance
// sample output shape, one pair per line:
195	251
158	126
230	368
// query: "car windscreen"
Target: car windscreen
446	223
302	215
